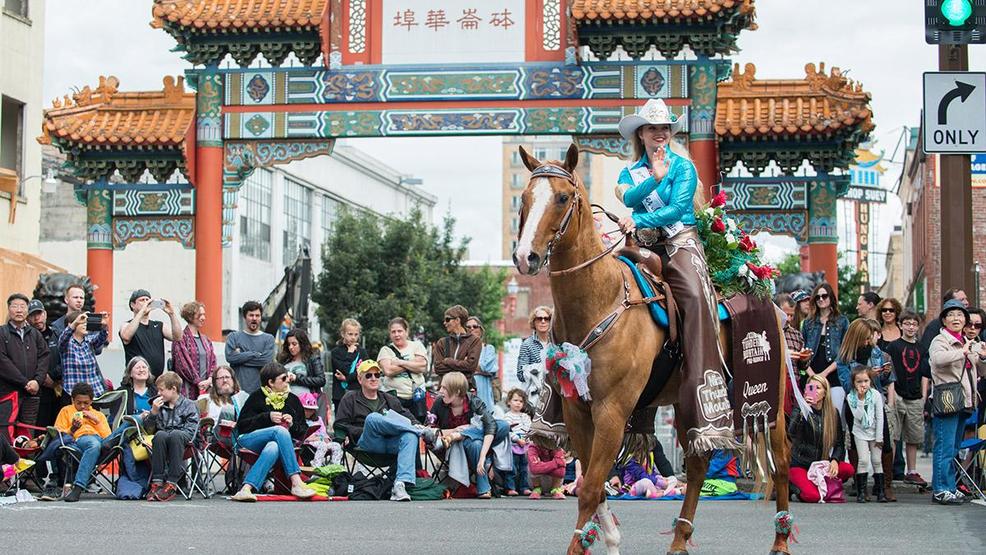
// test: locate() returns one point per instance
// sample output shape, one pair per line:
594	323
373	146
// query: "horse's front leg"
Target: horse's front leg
783	521
610	527
609	419
695	468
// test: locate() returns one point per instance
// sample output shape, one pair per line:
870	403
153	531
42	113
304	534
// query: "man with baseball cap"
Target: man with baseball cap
377	422
144	337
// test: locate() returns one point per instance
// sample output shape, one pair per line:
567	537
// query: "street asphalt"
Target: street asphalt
98	525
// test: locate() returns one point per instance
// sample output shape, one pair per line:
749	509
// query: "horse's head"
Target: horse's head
549	203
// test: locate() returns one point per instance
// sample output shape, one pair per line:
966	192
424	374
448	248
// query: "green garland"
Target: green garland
732	255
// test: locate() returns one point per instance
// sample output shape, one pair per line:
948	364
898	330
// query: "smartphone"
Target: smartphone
94	321
156	303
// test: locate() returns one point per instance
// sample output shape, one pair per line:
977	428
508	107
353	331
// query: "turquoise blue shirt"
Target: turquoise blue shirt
677	190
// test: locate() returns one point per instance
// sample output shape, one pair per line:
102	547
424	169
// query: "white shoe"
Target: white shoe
302	492
399	492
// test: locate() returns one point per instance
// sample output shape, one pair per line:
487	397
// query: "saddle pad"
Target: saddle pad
658	312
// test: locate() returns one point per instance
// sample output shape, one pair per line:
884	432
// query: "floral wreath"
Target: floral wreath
732	256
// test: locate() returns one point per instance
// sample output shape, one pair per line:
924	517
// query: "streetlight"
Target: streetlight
408	180
49	184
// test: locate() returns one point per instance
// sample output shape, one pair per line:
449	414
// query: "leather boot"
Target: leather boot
888	488
878	486
861	488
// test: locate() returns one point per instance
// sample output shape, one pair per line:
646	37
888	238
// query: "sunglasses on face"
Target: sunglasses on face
975	325
821	296
472	327
372	375
450	318
282	377
885	310
542	318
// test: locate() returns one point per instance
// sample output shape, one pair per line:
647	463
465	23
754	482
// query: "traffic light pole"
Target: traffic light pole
956	197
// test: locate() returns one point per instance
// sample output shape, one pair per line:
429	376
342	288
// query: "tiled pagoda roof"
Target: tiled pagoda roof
643	10
819	105
106	118
235	15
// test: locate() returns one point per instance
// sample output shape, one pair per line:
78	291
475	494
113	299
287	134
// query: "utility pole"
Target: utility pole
956	196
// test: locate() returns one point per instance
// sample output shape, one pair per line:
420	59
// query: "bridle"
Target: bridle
551	170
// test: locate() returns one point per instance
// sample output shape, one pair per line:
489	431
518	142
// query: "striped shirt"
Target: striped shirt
79	360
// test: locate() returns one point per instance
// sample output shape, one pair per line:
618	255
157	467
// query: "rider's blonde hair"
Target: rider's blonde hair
698	200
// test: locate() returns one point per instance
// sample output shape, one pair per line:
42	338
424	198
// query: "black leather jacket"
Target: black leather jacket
806	439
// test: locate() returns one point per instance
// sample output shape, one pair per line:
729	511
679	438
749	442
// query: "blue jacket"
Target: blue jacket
812	330
677	190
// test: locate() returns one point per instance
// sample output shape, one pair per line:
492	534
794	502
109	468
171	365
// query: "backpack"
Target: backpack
426	489
370	488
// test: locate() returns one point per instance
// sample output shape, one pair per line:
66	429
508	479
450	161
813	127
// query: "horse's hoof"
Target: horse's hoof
683	552
775	552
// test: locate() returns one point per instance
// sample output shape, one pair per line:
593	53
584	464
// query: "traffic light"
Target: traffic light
955	21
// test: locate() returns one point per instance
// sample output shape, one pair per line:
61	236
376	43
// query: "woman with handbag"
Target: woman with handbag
404	362
956	365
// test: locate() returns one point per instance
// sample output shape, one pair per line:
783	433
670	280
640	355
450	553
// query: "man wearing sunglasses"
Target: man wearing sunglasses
376	421
458	351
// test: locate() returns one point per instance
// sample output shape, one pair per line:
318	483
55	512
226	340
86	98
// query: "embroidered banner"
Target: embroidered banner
757	359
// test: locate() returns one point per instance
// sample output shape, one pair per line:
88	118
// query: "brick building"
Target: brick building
920	192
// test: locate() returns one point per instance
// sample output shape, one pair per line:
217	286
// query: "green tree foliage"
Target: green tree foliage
374	269
790	265
850	286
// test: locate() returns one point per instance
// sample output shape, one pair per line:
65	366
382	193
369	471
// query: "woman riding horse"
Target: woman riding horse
662	188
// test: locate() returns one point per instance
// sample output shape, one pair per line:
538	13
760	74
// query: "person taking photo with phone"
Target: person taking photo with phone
79	344
145	337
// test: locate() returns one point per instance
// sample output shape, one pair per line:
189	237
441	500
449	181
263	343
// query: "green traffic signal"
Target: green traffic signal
957	12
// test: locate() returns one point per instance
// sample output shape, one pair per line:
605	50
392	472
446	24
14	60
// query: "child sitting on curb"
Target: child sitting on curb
547	466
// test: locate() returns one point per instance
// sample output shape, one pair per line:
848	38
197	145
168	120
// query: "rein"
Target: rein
551	170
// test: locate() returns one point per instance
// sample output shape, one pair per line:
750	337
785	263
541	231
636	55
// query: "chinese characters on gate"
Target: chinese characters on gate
470	20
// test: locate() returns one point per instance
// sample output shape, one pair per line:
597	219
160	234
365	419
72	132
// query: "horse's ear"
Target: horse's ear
572	158
529	161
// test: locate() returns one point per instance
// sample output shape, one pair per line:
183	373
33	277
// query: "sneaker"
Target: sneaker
51	493
557	494
167	492
961	495
512	493
945	498
535	494
302	491
152	493
73	495
399	492
244	496
915	479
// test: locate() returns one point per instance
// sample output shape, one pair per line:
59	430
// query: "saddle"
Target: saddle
651	267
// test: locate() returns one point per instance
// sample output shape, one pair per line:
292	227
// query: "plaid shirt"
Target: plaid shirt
79	360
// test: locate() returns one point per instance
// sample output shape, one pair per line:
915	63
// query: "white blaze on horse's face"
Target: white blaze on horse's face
541	193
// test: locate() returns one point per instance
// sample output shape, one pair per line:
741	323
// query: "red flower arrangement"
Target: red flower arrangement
719	200
718	225
746	243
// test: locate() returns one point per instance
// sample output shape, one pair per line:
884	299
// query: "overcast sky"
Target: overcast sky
878	42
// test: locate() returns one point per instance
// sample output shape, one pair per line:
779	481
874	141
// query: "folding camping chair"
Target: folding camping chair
36	436
281	482
196	475
113	405
376	464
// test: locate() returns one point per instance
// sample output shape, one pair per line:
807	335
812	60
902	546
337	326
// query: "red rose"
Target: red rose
719	200
747	244
718	226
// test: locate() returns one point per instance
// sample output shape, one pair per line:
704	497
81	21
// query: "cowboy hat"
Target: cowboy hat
654	112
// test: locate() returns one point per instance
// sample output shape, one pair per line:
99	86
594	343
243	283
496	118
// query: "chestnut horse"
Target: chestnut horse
556	221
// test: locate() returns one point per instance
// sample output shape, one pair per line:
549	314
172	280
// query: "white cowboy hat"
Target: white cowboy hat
655	112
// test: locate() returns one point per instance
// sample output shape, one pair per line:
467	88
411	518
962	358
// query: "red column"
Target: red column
804	256
209	237
99	249
822	257
99	267
706	163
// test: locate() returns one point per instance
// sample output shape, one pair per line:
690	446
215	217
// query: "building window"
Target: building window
255	199
515	202
330	211
515	181
16	7
297	219
514	225
12	138
515	158
541	154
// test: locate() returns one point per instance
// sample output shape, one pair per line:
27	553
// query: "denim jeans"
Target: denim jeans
517	479
271	444
392	434
90	445
472	441
948	435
